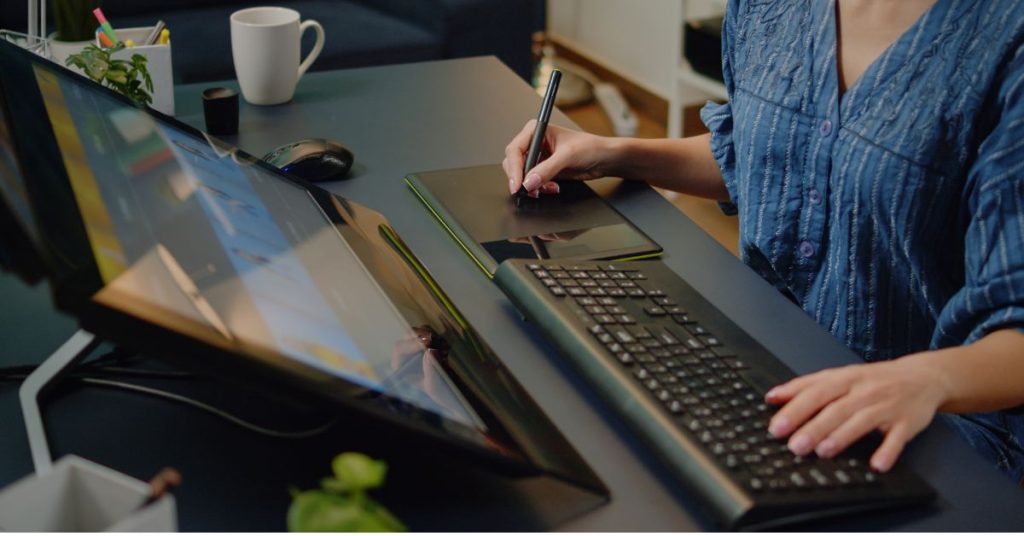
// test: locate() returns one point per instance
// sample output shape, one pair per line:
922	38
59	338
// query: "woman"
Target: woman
875	151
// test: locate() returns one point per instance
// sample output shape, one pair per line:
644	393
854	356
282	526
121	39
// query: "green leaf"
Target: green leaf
117	77
333	485
358	471
318	511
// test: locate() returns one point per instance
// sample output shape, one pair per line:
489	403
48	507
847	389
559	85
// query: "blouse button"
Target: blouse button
815	196
826	128
806	249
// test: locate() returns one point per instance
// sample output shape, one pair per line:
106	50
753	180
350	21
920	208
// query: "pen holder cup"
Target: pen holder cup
77	495
158	61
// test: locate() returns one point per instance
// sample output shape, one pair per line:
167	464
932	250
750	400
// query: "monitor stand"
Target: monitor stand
80	345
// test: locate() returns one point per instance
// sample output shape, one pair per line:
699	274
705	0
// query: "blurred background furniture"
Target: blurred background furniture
359	32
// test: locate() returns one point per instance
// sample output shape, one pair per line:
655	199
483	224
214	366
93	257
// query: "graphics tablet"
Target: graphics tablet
179	247
474	205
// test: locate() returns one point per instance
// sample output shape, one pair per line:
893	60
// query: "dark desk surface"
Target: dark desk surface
439	115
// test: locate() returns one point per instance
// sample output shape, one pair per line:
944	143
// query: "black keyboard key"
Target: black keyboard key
586	300
711	341
604	319
576	291
605	338
559	274
617	292
639	332
614	309
623	336
635	292
681	319
548	282
697	329
541	274
625	358
596	291
606	301
664	301
735	363
668	338
587	283
636	275
625	319
595	310
557	291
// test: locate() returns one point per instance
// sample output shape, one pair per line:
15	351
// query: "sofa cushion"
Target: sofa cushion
356	36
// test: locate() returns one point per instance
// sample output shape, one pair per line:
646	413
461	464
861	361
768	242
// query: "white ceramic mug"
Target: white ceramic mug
265	47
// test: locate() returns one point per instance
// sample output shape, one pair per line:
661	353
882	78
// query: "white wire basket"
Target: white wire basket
38	45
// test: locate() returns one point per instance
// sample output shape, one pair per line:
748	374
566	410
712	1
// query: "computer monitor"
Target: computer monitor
187	249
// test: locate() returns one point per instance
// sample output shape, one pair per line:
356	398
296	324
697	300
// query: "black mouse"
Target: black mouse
314	160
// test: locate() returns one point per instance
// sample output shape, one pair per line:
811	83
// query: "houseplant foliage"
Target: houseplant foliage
128	77
342	504
74	19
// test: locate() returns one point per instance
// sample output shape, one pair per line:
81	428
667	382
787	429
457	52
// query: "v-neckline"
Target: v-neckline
883	58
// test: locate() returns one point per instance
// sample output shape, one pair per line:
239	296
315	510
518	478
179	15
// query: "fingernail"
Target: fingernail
532	181
552	188
800	444
512	186
881	463
778	426
534	193
826	448
772	393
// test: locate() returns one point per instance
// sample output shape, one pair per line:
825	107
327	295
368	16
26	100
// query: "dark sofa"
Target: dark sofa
359	32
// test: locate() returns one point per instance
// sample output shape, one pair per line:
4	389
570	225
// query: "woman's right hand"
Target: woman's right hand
567	154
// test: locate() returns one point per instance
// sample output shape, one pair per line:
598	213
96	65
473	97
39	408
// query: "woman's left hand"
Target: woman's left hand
829	410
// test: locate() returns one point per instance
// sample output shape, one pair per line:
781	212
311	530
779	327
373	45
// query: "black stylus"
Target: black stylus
542	125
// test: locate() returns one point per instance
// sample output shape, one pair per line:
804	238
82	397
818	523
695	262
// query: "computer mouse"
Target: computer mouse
314	160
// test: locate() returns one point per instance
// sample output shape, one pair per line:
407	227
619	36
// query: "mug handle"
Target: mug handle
316	47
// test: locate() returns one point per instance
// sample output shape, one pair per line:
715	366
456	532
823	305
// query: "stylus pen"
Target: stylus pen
542	125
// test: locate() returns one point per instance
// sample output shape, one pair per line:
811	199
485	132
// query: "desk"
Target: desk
448	114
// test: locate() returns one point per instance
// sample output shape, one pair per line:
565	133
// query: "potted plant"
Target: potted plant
76	27
128	77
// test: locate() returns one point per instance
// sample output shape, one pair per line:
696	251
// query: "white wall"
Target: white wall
639	39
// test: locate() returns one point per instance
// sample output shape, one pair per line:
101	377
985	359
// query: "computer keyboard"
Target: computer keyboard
691	384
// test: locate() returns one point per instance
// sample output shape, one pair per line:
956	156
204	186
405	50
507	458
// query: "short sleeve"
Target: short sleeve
992	297
718	117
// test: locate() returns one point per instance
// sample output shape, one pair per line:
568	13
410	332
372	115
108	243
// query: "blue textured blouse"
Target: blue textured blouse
892	213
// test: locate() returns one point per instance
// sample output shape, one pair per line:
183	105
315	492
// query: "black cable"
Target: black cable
82	374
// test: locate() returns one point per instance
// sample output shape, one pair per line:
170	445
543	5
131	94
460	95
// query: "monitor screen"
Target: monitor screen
180	231
172	233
